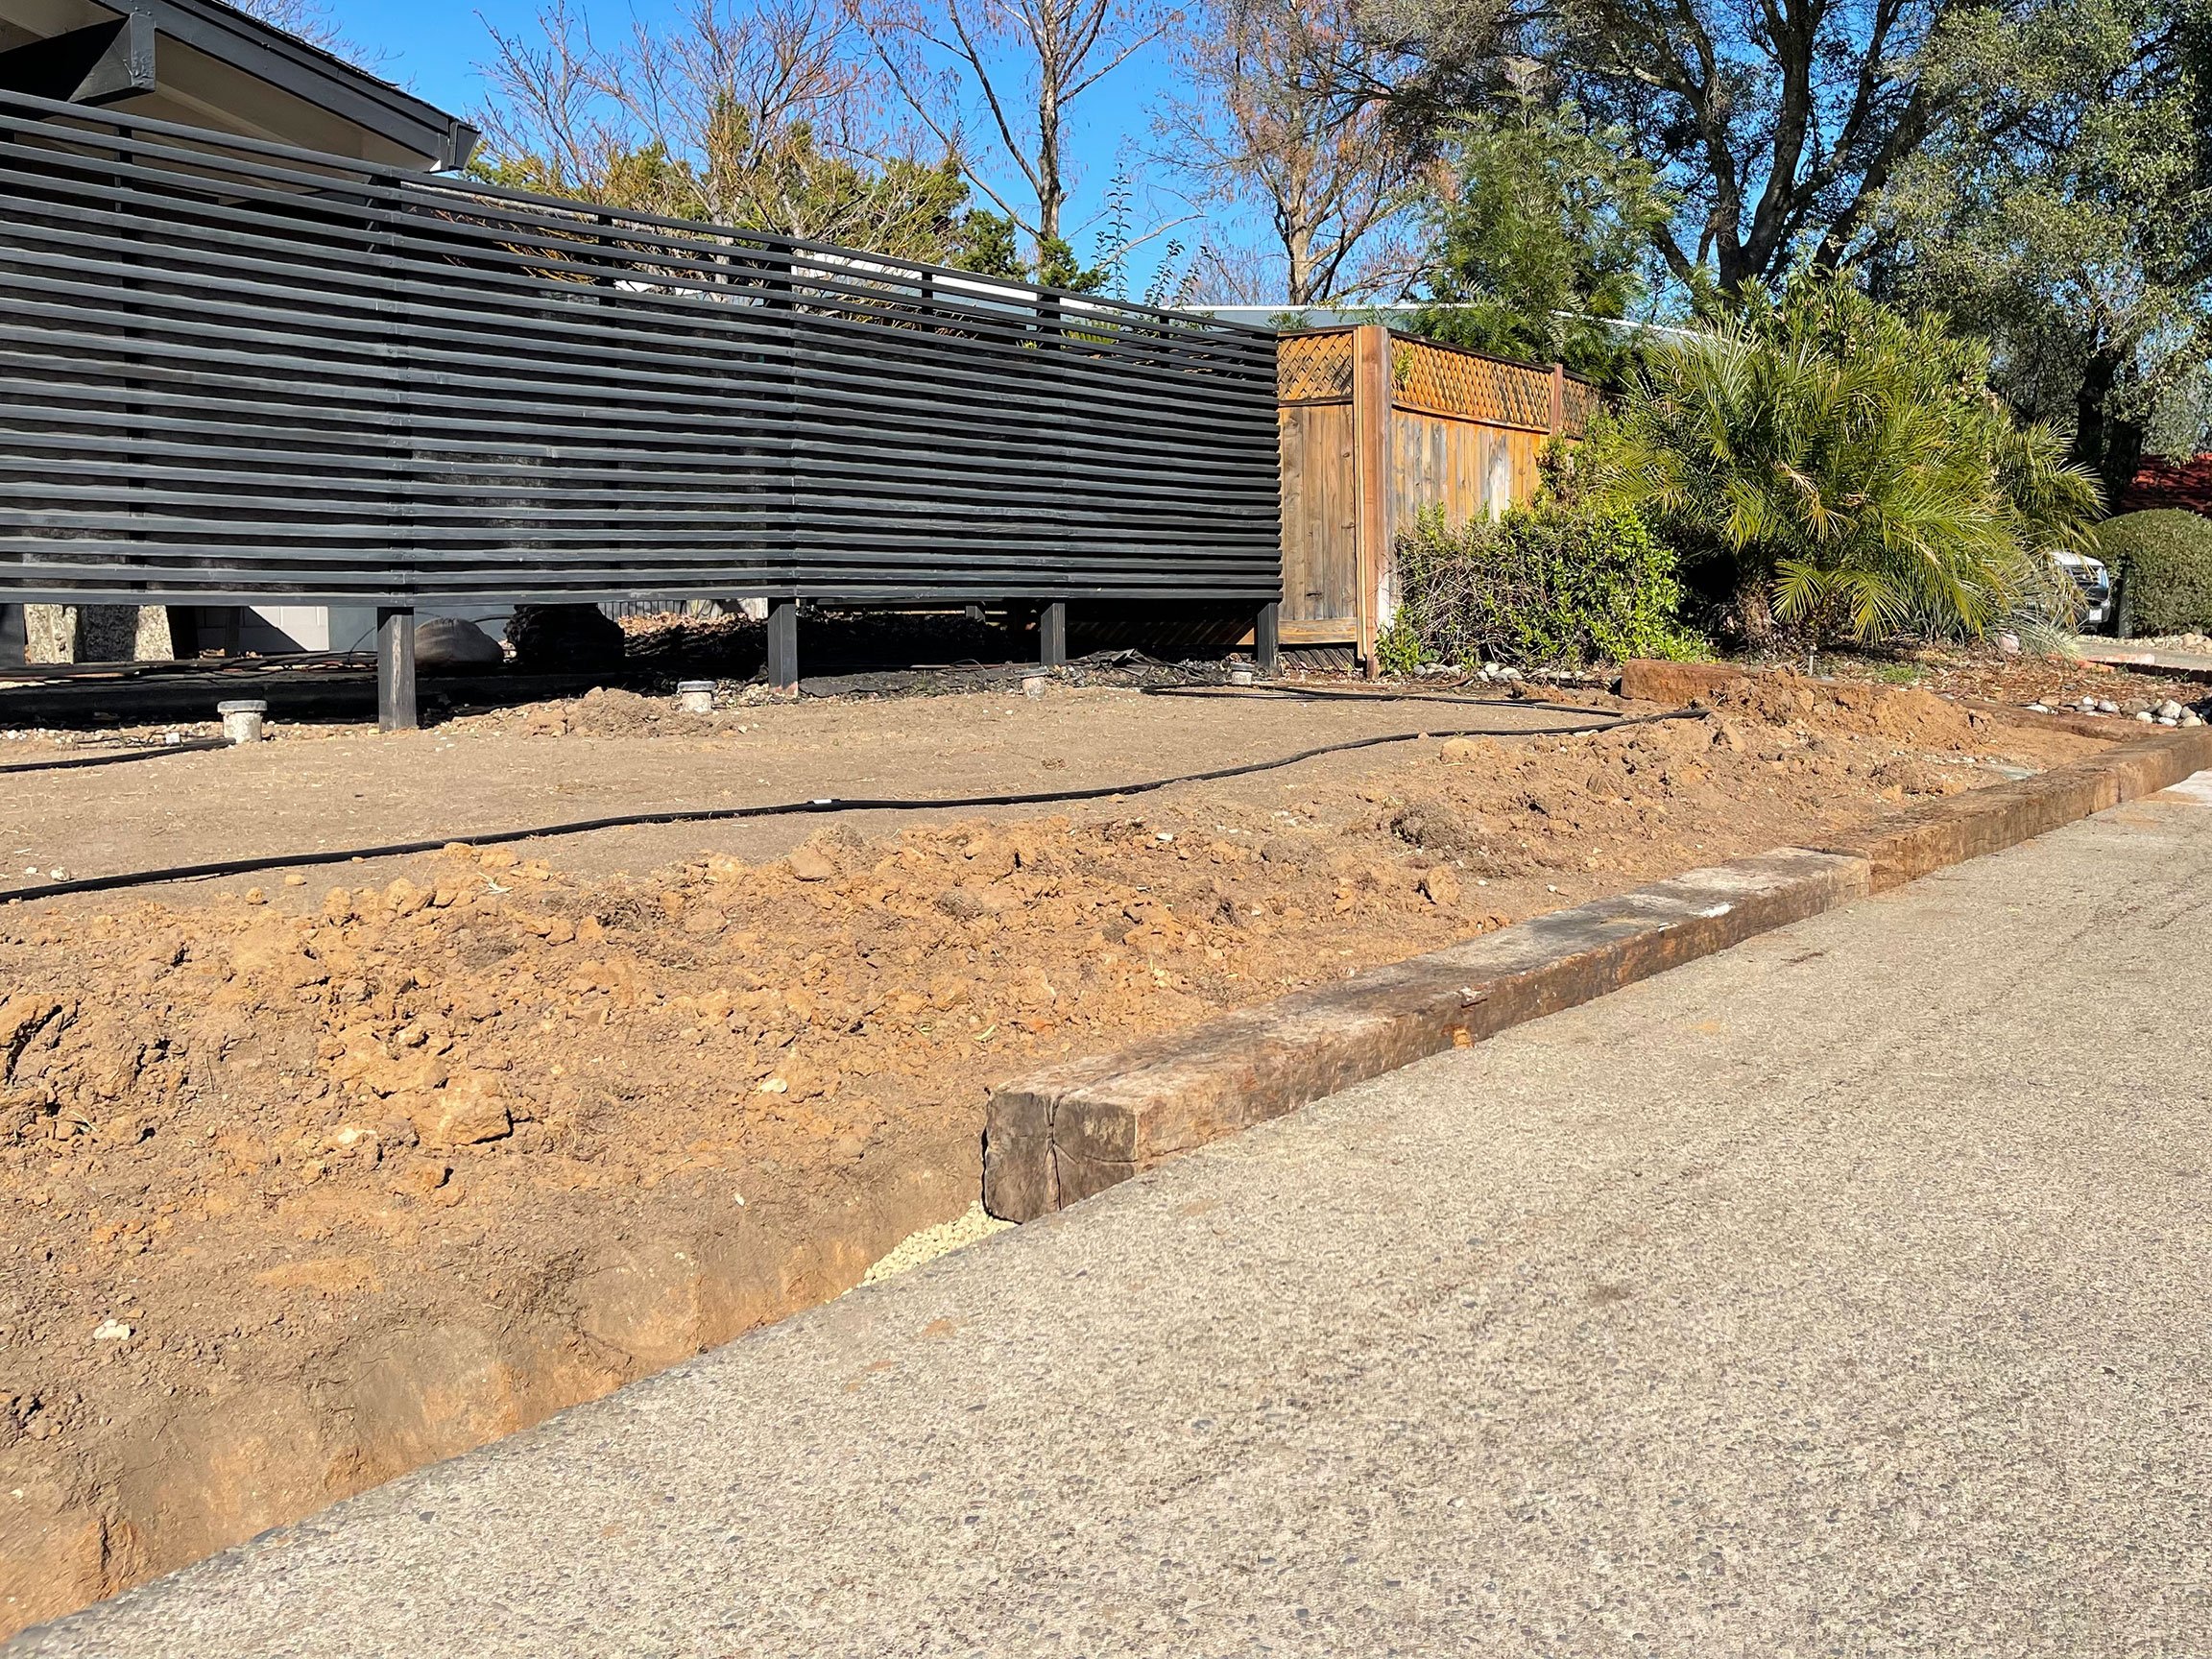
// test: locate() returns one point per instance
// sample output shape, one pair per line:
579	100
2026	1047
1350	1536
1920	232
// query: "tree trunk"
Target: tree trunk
2106	444
1298	252
1754	612
1052	193
2122	458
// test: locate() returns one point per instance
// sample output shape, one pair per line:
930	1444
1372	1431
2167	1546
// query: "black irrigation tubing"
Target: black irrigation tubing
111	758
828	804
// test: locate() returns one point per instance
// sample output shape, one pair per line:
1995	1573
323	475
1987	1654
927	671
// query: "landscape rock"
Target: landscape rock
1646	679
467	1111
418	1177
810	864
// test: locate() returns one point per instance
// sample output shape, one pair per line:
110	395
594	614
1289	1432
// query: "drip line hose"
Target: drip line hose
113	756
829	805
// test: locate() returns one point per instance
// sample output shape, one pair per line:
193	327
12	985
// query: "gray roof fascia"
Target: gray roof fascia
291	65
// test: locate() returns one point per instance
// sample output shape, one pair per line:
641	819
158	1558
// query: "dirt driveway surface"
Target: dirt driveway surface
612	752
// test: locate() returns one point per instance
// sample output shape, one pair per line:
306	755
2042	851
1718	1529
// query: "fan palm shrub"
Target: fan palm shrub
1819	458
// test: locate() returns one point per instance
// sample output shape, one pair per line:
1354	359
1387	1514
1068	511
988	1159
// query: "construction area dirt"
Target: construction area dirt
312	1177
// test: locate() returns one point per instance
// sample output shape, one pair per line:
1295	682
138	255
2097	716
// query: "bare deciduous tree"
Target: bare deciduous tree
768	117
1268	122
1026	62
1231	274
731	88
312	22
553	116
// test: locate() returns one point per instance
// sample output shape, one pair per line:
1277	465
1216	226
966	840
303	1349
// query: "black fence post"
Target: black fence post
1052	634
394	670
1267	640
784	644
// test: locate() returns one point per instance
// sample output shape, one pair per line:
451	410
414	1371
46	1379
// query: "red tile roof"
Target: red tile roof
2185	484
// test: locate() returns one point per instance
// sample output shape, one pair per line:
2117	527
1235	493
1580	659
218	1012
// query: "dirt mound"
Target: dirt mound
1899	714
606	712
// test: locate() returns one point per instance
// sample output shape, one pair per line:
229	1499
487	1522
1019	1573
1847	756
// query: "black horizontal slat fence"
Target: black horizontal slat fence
232	370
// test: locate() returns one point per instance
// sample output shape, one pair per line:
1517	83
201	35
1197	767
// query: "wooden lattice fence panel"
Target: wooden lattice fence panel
1443	381
1317	368
1314	368
1580	402
1378	429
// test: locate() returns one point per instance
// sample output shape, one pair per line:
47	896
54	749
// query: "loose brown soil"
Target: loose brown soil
304	1184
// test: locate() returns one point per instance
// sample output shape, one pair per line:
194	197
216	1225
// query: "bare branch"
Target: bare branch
1267	124
766	115
1023	62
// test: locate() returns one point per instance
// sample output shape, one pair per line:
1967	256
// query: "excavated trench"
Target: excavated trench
405	1386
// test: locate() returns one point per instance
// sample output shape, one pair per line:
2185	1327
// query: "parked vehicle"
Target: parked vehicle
2095	582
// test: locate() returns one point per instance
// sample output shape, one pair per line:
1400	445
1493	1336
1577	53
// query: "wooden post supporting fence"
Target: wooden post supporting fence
396	671
784	644
1267	640
1052	634
1370	452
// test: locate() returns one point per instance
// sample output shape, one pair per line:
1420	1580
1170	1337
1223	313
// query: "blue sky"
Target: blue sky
434	47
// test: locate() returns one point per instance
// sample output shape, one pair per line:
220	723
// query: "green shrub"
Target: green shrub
1544	587
2163	560
1398	647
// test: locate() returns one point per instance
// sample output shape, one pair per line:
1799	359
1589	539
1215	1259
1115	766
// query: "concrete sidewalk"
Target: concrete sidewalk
1842	1293
2124	653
